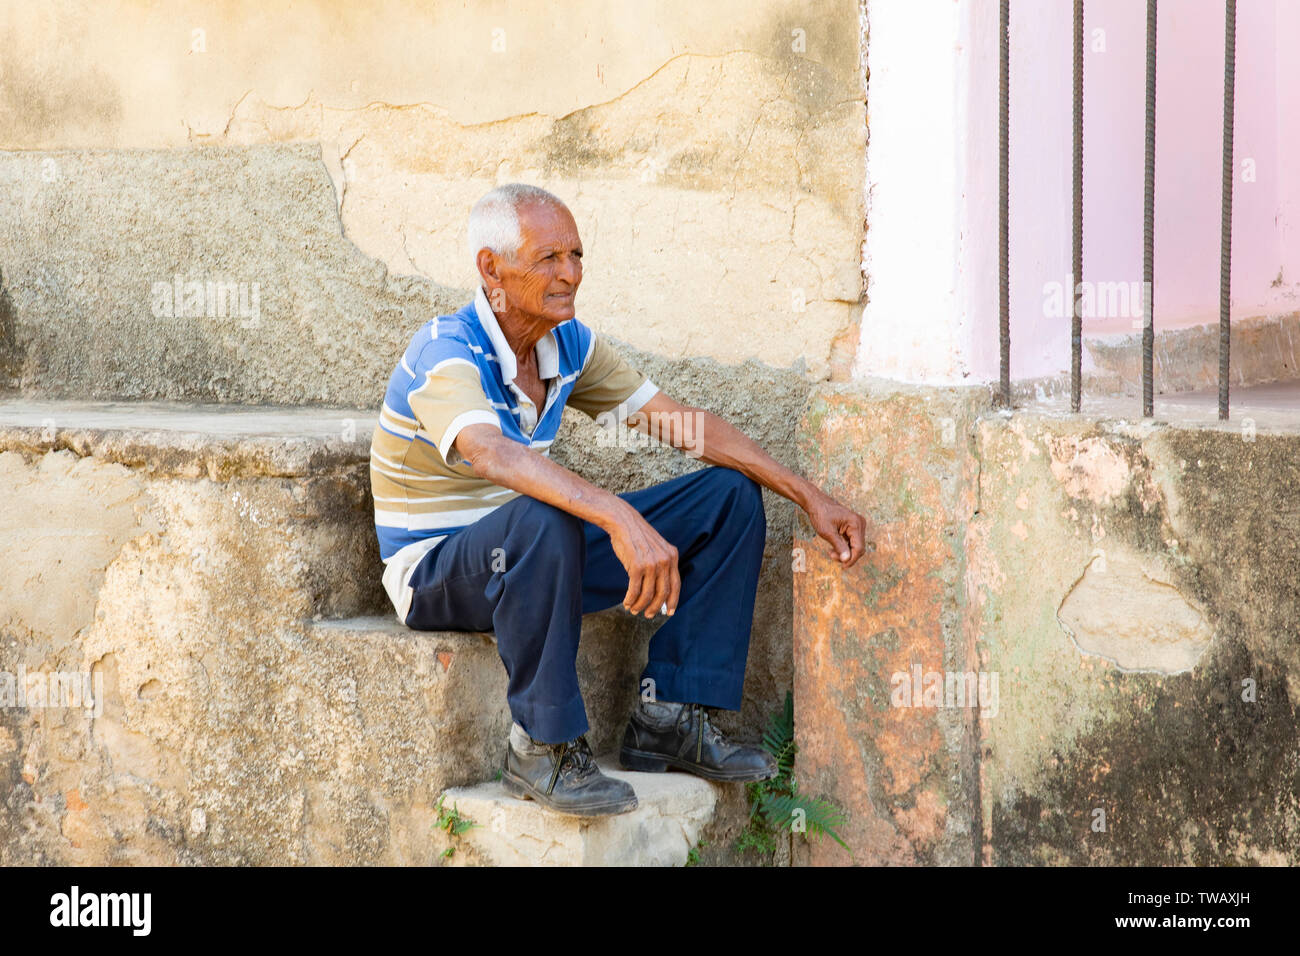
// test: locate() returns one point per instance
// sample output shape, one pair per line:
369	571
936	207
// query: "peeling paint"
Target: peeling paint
1128	612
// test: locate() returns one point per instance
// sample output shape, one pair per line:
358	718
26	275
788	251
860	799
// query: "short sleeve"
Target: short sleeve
608	383
445	399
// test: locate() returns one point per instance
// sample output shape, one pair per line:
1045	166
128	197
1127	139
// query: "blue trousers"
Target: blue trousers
529	571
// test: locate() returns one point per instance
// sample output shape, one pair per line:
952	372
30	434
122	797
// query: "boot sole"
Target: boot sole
521	790
643	762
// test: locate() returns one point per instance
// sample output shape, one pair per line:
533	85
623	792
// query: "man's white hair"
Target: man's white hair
494	220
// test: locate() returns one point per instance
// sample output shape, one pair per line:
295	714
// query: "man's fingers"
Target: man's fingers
666	572
838	543
635	585
660	597
653	583
855	538
648	598
674	590
648	588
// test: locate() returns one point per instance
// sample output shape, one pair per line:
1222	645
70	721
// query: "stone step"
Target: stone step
421	704
394	716
268	506
460	684
672	811
185	440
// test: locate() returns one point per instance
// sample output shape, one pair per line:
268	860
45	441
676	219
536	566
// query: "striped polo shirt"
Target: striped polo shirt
459	370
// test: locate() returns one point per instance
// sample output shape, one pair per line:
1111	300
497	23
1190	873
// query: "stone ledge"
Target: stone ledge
387	627
1187	359
1264	409
192	441
673	810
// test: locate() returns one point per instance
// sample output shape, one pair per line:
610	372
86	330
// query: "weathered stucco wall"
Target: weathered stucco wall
1136	587
907	778
96	241
1122	596
712	155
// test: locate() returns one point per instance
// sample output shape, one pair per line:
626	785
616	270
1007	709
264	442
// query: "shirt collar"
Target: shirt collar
548	352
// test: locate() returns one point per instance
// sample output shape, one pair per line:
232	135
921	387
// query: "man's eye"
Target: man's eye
578	254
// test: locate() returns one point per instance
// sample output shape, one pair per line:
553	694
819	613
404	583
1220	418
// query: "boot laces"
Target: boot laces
696	715
711	732
575	755
704	729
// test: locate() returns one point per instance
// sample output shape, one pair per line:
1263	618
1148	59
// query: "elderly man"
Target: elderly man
480	530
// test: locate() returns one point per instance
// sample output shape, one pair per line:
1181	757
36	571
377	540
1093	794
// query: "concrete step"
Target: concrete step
269	506
184	440
673	810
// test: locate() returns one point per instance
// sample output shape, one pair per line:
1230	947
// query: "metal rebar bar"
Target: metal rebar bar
1225	234
1076	249
1004	309
1148	220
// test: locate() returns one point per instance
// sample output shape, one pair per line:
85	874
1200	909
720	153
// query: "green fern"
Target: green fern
776	804
819	816
778	739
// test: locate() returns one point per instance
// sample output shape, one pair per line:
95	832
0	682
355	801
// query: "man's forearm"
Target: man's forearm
717	442
511	465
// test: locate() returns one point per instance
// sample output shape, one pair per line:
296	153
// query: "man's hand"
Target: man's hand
650	561
845	529
651	564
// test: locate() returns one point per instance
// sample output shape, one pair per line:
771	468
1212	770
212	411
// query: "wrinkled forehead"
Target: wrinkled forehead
541	224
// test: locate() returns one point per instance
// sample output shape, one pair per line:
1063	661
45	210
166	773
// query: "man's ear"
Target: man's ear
489	270
488	266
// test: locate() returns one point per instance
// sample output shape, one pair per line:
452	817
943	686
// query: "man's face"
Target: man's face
543	278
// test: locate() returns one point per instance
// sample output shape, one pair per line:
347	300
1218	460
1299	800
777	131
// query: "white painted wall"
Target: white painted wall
912	326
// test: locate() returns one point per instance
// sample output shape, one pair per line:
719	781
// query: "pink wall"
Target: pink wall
1285	37
1189	133
1266	240
932	175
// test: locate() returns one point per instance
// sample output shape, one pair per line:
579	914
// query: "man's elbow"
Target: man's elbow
483	448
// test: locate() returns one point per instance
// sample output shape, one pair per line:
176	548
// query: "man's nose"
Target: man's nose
571	270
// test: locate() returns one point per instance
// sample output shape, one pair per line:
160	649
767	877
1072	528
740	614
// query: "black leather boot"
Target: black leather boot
562	777
662	735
